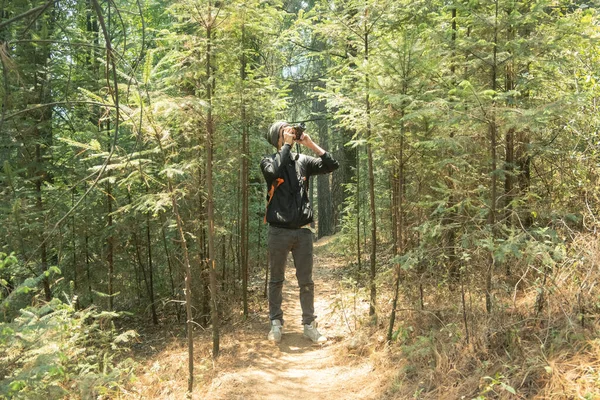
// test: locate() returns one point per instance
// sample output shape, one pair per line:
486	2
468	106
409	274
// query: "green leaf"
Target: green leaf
126	336
17	386
93	145
102	294
508	388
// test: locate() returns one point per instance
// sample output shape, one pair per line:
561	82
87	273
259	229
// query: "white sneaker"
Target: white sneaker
311	332
276	331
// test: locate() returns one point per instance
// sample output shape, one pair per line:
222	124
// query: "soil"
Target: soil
251	367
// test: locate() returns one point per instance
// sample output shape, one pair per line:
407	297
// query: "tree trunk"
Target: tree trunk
397	227
394	203
373	215
87	256
509	160
42	141
209	185
140	267
223	264
188	289
110	243
244	179
523	160
325	199
202	284
234	270
74	245
357	201
347	157
40	207
349	161
170	265
493	193
451	216
150	272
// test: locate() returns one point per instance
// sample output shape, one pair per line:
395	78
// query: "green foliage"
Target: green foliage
495	384
18	285
52	350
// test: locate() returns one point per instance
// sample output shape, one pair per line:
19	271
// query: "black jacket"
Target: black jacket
289	207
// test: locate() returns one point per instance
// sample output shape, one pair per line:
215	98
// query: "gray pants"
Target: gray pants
300	243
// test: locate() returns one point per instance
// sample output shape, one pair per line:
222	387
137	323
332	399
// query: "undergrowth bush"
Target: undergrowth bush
51	350
539	340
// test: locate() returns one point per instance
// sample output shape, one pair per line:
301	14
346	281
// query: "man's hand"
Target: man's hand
288	135
306	140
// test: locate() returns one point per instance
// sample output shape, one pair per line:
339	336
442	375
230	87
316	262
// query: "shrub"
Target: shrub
51	350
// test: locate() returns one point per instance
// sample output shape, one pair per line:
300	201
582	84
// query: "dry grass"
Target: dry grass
529	347
524	349
163	368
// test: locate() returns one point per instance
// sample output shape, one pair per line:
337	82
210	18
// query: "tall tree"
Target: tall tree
210	24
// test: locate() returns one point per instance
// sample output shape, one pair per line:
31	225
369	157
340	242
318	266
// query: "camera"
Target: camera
298	130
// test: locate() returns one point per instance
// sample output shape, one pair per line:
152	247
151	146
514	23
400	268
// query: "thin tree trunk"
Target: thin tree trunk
110	240
232	262
357	201
373	258
464	306
398	227
396	250
325	209
209	185
345	175
110	62
373	289
244	178
524	166
394	203
73	243
138	265
43	248
150	271
40	209
203	286
43	138
87	257
169	263
188	290
91	57
493	195
16	207
223	264
139	262
170	266
454	269
110	243
509	160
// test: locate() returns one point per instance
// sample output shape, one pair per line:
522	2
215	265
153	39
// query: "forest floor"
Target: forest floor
251	367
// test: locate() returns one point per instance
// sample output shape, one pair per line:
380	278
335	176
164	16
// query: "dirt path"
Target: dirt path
254	368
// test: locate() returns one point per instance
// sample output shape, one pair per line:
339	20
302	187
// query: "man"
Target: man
289	215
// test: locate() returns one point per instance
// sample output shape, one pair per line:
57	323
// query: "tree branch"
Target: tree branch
41	9
56	103
44	8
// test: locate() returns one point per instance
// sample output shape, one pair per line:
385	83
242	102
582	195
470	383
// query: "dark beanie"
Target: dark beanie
272	135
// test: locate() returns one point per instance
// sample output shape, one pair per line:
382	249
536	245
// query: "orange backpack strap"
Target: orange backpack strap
274	186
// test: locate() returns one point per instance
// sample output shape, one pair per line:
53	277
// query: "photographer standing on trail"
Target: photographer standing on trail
289	215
